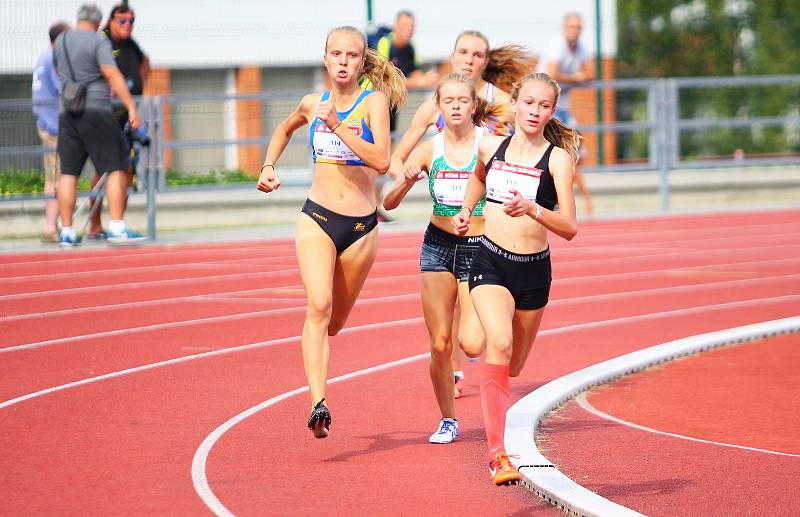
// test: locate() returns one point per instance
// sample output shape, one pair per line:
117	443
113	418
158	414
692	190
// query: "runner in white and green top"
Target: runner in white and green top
449	158
447	183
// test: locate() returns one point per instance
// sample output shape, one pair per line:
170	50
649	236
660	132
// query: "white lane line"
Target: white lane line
198	321
586	405
199	479
175	281
96	273
542	333
169	301
61	259
525	415
186	358
410	296
208	263
561	281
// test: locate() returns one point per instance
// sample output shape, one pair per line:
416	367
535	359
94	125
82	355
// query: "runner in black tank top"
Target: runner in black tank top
527	176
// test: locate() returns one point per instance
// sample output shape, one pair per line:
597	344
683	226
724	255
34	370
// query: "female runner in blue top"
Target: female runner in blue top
449	159
527	180
337	236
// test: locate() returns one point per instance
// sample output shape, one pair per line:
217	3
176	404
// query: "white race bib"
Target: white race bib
503	176
328	145
449	187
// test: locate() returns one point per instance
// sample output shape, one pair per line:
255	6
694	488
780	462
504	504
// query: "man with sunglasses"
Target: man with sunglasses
135	67
88	129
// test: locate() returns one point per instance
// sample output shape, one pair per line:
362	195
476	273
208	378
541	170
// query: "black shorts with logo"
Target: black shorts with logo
343	230
446	252
92	134
527	277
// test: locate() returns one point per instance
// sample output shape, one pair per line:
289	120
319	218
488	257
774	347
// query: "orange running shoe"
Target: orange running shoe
459	386
502	471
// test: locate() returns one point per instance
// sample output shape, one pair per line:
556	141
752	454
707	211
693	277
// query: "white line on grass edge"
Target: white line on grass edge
523	418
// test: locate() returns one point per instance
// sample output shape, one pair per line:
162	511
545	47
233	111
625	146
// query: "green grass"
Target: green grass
14	181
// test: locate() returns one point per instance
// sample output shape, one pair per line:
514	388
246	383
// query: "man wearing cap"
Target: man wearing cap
84	56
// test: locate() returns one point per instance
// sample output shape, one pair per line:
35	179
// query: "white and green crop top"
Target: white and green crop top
448	184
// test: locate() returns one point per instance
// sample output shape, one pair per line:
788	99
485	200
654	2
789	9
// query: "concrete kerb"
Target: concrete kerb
524	417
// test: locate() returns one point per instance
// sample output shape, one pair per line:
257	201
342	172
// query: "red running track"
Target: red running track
111	384
710	434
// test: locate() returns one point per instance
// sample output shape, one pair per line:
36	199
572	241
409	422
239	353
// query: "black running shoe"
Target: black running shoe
320	420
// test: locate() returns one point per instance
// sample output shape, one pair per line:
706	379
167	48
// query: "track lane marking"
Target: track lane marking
542	333
587	406
412	295
561	281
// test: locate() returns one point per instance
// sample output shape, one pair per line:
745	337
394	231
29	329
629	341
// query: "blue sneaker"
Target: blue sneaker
67	241
126	237
447	432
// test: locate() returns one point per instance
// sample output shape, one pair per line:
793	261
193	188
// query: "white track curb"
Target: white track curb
523	418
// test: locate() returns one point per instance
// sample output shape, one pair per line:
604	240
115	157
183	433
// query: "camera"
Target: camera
138	135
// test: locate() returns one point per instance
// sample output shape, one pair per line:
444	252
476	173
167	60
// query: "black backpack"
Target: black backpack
374	35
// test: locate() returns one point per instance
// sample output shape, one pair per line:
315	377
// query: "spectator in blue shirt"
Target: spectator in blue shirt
45	90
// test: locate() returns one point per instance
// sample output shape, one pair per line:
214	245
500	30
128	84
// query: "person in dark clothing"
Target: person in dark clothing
135	67
398	49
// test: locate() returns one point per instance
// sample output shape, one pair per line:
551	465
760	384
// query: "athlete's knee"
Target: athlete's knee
441	346
319	308
515	370
501	346
472	345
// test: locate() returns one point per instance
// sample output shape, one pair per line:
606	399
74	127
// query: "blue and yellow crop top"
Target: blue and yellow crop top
326	147
448	184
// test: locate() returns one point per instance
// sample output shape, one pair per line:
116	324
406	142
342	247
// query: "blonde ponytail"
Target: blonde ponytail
385	77
507	65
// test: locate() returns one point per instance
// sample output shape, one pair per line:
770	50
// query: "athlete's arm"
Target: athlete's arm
476	186
269	180
410	173
424	117
563	223
374	155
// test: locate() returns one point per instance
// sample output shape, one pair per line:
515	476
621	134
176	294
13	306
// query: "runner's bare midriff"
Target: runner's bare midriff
344	189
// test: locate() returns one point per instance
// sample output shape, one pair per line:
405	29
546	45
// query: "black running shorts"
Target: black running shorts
92	134
527	277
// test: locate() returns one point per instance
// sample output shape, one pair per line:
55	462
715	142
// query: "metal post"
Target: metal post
152	171
159	118
664	147
369	12
599	66
653	100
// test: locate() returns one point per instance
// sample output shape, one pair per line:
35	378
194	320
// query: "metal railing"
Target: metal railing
185	126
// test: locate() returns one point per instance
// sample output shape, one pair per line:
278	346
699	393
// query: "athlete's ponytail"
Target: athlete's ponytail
555	131
383	75
484	111
506	64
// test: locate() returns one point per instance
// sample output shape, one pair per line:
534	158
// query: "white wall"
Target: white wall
218	33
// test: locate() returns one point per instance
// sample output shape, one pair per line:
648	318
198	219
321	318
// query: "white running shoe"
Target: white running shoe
447	432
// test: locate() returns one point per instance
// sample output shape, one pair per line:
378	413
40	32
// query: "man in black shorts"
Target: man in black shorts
134	65
84	56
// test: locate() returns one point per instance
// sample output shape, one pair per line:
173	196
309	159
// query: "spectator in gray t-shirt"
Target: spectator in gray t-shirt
568	62
84	56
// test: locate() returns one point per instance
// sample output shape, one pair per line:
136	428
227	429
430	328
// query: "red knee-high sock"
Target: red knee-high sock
494	400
